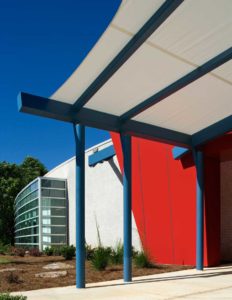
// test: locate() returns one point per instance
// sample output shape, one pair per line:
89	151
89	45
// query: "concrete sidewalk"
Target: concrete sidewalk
212	283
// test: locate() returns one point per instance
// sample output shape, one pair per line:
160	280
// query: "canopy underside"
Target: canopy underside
163	82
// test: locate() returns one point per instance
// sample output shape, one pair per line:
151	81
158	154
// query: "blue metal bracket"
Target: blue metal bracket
179	152
102	155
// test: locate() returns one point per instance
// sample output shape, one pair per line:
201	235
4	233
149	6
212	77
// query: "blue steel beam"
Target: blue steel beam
156	133
64	112
135	42
44	107
198	157
79	134
61	111
127	223
205	135
212	132
179	84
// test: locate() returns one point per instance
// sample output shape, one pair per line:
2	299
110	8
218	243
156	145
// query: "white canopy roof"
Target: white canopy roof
156	85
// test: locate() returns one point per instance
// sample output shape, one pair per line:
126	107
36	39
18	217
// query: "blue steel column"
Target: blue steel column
127	226
79	133
199	210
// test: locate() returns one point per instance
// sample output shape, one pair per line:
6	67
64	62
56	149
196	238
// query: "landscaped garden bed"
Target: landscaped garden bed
18	273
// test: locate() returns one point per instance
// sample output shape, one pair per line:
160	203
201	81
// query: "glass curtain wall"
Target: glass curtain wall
53	212
41	214
27	216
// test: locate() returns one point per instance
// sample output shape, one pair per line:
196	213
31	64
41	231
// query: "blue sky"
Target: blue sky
41	44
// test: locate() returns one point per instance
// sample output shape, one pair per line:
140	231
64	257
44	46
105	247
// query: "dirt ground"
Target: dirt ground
28	266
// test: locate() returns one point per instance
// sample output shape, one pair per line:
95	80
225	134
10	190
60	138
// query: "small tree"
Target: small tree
31	168
12	179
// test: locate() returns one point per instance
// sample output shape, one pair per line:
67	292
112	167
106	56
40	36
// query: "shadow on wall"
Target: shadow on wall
115	169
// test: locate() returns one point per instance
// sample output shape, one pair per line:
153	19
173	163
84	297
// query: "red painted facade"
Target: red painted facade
164	199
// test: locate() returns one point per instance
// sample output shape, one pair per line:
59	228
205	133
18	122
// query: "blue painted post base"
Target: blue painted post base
127	272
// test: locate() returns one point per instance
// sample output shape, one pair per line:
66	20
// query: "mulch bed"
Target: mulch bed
28	266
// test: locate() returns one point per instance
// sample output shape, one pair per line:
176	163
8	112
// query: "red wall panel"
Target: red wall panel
164	203
212	210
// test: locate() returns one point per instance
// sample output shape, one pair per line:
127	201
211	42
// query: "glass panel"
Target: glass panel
53	193
58	239
53	183
46	221
27	223
54	221
47	239
27	215
53	202
58	230
58	221
58	211
46	229
28	239
25	200
28	206
46	212
27	231
28	190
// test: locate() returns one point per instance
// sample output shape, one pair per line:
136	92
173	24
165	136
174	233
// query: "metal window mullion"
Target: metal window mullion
26	228
26	204
53	188
40	215
29	184
27	212
26	196
28	235
26	243
26	220
53	206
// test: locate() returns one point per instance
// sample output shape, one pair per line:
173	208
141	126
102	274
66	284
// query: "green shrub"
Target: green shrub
134	252
11	297
57	250
108	251
141	260
53	250
68	252
35	252
89	252
4	249
116	256
49	251
100	258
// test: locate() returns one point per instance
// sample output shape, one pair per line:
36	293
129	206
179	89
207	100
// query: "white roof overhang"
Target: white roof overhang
162	70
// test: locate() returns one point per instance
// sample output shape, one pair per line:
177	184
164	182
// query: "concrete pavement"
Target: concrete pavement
212	283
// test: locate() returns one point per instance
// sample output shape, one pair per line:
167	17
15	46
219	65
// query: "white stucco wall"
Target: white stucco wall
104	200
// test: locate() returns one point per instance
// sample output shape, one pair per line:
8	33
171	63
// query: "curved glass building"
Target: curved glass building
41	214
